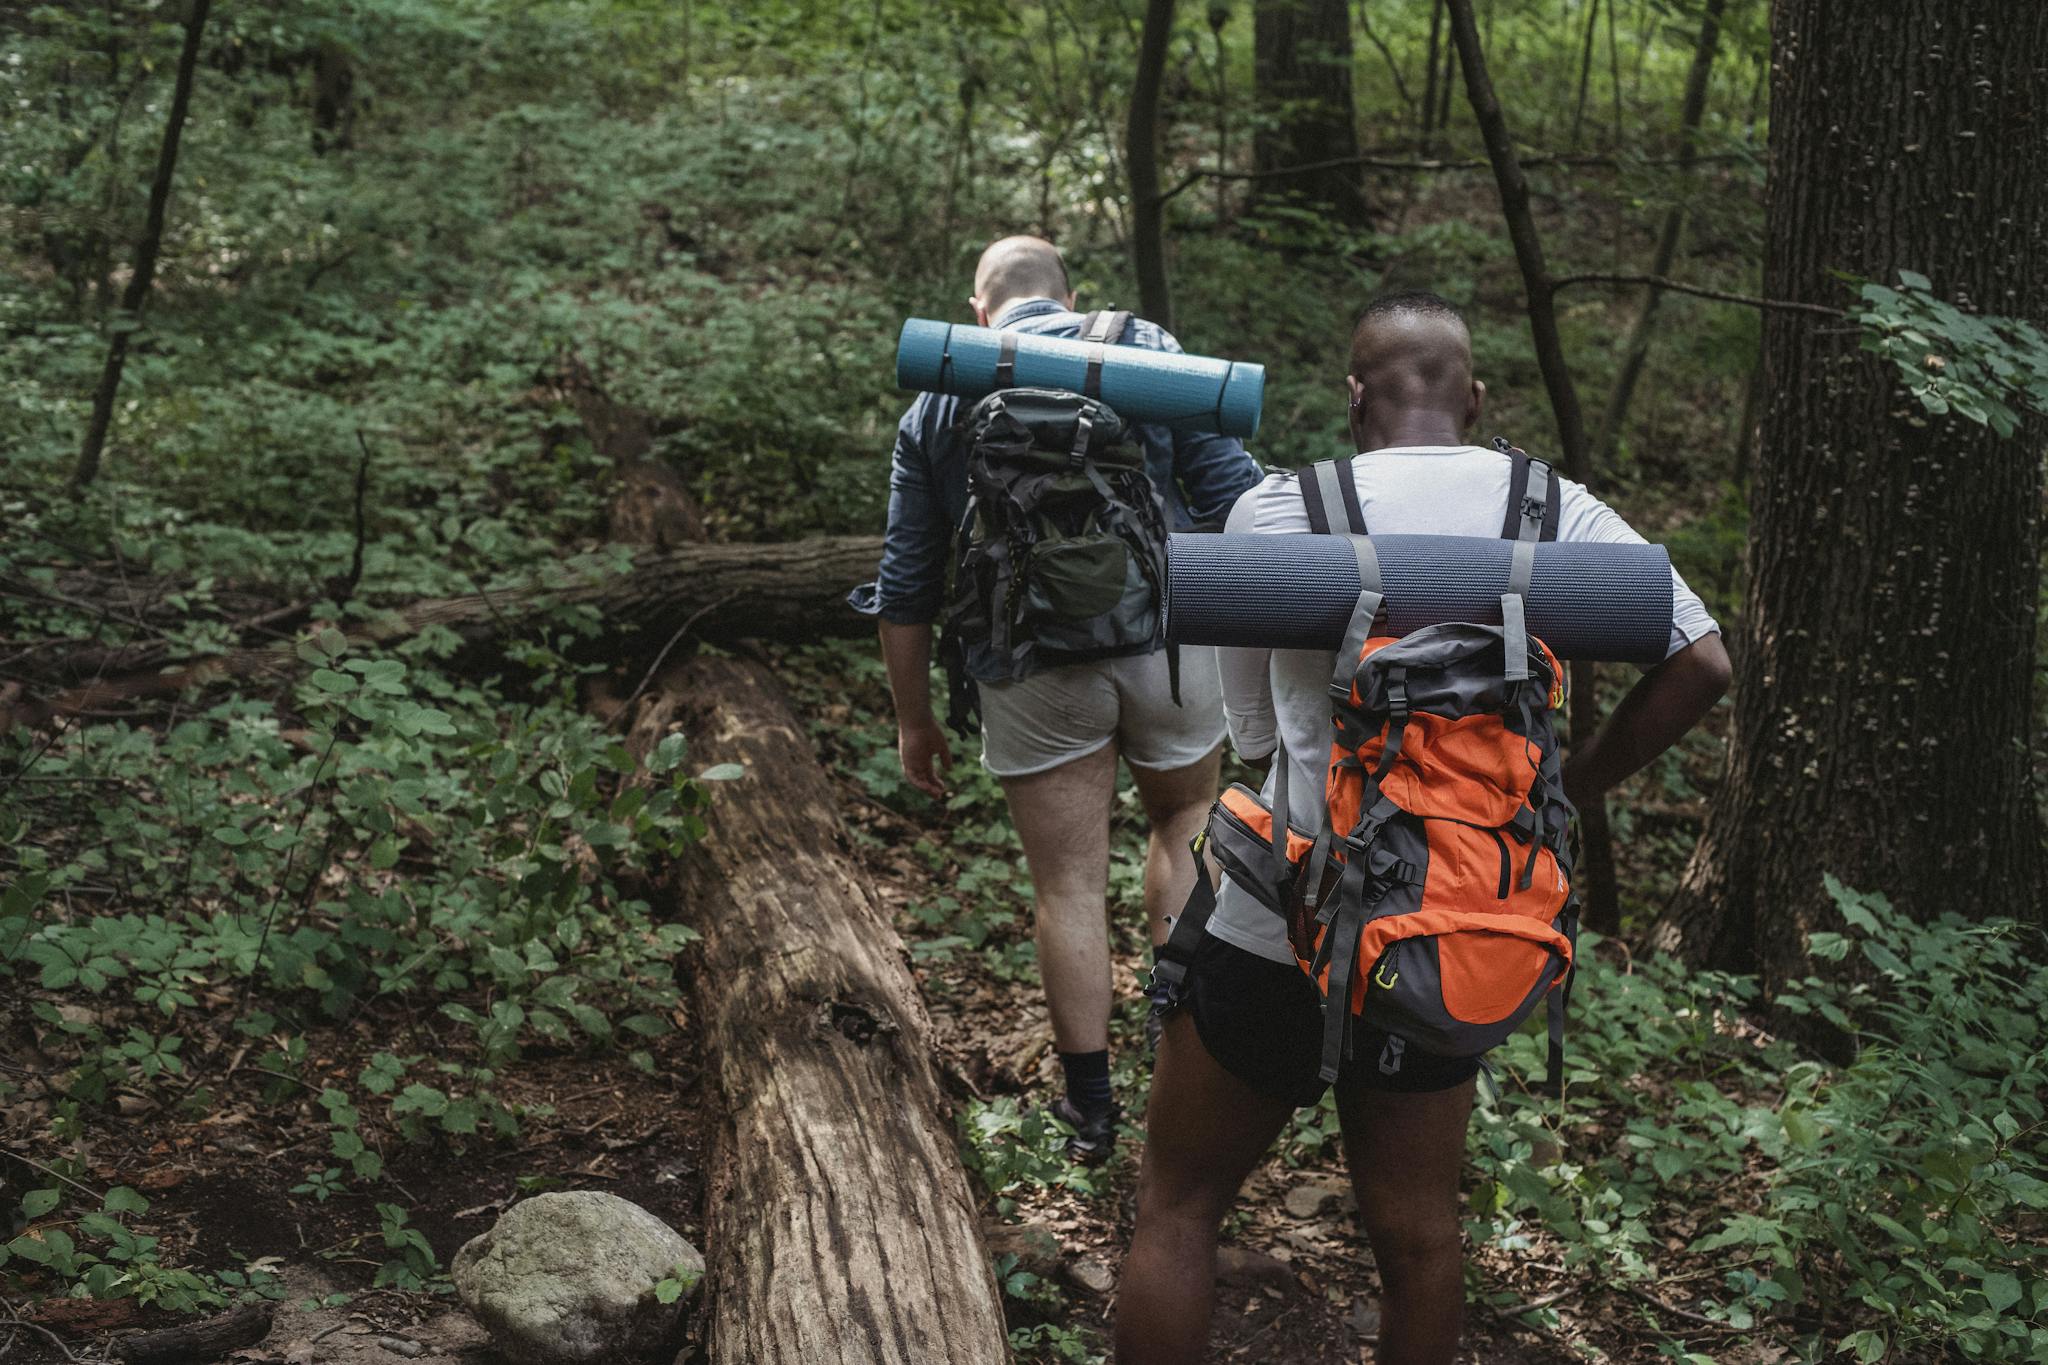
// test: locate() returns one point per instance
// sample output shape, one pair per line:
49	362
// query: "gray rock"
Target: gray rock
567	1278
1245	1268
1092	1275
1036	1247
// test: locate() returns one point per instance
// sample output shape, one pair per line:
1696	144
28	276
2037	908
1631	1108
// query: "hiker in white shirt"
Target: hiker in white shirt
1243	1048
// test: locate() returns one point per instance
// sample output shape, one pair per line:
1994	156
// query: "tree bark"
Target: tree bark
1883	696
842	1227
1302	64
1637	347
1595	873
187	1343
1148	206
136	298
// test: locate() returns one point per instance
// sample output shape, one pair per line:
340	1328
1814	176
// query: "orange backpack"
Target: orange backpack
1432	895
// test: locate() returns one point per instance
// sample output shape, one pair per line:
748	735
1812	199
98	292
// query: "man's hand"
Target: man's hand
919	743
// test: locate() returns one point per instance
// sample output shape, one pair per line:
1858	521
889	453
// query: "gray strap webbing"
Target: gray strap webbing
1513	607
1514	637
1328	484
1536	497
1362	616
1279	802
1521	567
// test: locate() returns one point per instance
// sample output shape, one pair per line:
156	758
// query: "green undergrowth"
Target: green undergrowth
462	862
1893	1206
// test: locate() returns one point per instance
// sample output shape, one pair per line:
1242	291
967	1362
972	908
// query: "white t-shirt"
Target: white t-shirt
1404	490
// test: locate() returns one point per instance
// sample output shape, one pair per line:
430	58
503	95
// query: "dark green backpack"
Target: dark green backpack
1061	557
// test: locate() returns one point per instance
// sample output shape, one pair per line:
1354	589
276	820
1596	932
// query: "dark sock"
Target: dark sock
1087	1079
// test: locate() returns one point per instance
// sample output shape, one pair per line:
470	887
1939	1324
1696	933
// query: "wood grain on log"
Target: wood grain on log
841	1224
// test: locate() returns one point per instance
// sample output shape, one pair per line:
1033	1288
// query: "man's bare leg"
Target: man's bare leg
1176	802
1405	1152
1204	1132
1062	817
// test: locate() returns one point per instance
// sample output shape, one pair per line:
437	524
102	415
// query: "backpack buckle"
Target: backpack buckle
1083	430
1533	509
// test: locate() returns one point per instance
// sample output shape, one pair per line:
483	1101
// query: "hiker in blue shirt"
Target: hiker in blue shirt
1053	735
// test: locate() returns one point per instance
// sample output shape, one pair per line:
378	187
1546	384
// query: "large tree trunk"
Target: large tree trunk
793	592
136	298
1595	872
1302	64
1637	348
1883	694
841	1224
1141	150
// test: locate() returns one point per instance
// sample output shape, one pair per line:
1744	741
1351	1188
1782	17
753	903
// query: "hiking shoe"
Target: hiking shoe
1094	1133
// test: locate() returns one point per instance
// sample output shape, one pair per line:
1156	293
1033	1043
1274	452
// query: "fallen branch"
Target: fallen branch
1698	291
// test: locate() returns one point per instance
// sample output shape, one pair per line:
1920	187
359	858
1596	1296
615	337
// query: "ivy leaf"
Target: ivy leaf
121	1199
723	772
36	1203
2001	1291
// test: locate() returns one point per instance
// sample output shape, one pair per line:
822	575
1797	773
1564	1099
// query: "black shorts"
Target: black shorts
1263	1021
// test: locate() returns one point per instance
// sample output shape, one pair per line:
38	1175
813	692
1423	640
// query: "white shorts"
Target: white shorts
1066	713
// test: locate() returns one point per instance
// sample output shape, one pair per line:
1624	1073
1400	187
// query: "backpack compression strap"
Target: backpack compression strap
1101	328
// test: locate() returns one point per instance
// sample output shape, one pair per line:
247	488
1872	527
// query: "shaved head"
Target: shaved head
1020	268
1411	370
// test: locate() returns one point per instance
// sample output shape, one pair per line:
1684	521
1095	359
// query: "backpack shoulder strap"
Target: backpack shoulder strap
1534	496
1329	493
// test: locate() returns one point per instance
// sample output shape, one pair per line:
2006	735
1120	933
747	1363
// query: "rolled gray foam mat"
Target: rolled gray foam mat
1587	600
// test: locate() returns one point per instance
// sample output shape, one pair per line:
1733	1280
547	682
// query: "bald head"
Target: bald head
1019	268
1411	372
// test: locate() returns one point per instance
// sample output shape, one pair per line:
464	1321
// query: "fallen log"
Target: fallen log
793	592
841	1226
187	1343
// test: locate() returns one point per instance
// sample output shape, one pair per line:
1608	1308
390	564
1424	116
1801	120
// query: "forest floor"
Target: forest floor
1296	1281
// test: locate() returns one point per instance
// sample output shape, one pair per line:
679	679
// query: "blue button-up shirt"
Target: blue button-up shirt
1198	476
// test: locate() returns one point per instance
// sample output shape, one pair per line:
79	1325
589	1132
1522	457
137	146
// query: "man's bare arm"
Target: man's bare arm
1668	701
920	740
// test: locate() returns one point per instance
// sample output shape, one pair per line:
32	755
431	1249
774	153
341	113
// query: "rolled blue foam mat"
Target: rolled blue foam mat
1586	600
1188	392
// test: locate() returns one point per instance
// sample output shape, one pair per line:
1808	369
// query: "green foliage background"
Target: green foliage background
716	216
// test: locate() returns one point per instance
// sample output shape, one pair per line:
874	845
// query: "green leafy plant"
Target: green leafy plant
1972	364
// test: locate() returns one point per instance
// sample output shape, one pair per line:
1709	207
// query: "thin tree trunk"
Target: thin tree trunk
135	298
1585	73
1302	57
1884	693
1637	347
1614	71
1596	869
1219	16
1148	210
1745	425
1436	24
1446	87
1401	90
